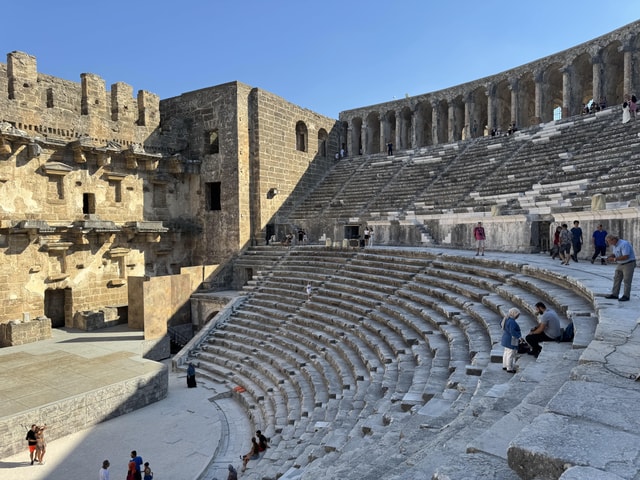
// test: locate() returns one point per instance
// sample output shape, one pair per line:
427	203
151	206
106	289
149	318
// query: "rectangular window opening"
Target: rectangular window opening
213	142
212	191
88	203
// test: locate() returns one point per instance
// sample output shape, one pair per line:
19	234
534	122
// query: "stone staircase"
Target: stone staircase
392	368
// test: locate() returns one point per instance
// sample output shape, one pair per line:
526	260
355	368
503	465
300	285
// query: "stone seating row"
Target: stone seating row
536	155
447	380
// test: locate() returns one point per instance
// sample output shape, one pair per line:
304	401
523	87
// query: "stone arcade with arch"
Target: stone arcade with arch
604	69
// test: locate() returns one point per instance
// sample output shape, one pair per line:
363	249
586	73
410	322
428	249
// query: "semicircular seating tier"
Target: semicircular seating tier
556	166
394	360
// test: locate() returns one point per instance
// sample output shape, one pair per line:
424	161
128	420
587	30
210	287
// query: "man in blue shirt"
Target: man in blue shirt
599	243
625	258
138	460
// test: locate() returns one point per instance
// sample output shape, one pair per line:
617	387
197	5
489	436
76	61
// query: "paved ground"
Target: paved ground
177	436
180	434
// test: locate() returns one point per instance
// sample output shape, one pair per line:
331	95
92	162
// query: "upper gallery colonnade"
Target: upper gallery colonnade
605	70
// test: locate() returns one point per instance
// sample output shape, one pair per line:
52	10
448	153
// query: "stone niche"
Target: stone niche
96	319
21	332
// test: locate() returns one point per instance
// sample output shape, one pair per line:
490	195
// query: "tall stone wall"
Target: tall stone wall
189	121
83	411
86	182
282	161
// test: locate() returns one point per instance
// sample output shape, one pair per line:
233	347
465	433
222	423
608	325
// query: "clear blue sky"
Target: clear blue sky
327	55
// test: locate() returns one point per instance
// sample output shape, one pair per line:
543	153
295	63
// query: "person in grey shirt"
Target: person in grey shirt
625	258
548	329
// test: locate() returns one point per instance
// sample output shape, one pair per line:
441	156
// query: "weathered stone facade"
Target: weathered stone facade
97	186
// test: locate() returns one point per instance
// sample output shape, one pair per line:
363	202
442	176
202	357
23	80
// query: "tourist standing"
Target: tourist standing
103	473
511	336
148	474
555	251
191	376
41	444
576	240
625	258
137	460
626	113
31	441
480	236
389	148
599	243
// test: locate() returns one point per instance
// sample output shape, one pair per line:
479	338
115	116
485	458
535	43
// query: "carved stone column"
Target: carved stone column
515	104
468	112
628	86
596	61
567	104
435	121
451	124
397	142
364	137
538	78
490	106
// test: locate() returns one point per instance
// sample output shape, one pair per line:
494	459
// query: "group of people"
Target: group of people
594	106
568	243
136	469
565	240
629	108
548	329
36	442
259	444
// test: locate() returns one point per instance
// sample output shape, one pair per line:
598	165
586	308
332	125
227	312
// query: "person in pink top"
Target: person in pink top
478	233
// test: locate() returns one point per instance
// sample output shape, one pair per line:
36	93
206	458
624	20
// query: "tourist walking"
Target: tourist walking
309	291
599	243
625	258
565	244
511	337
576	240
480	236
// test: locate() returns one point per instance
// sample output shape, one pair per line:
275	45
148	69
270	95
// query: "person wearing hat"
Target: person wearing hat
511	336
